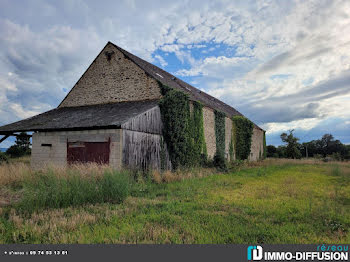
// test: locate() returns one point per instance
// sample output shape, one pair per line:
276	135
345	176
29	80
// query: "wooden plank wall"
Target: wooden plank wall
148	122
143	151
142	142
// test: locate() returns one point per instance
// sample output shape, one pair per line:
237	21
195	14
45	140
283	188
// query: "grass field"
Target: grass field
273	202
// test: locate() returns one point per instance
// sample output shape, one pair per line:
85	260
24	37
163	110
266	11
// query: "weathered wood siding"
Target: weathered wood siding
143	147
144	151
148	122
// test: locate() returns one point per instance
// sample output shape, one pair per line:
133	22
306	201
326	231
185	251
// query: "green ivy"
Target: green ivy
265	151
233	142
182	129
243	128
162	155
219	158
199	148
175	111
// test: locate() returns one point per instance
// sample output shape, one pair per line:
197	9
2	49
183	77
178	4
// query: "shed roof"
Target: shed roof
82	117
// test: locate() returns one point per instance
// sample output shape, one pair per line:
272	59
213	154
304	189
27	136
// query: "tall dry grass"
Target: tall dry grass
57	190
54	186
15	173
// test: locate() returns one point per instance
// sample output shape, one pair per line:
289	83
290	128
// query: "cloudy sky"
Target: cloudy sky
283	64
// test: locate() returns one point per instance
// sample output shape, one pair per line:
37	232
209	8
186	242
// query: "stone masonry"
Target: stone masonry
209	130
117	80
257	146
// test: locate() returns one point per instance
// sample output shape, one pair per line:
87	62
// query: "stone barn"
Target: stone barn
111	116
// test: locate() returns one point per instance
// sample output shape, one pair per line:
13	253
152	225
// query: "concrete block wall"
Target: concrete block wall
57	153
116	80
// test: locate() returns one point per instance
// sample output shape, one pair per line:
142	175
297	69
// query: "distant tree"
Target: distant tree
21	146
281	152
327	146
310	148
271	150
347	156
292	148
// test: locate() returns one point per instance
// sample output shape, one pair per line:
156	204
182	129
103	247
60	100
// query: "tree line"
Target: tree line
325	147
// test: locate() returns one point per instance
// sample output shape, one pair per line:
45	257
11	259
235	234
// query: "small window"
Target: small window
49	145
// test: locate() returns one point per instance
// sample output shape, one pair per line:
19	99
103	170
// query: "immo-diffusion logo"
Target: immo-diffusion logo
254	253
323	253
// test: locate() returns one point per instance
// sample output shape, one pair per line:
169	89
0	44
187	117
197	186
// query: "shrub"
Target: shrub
3	158
220	162
219	158
49	190
236	165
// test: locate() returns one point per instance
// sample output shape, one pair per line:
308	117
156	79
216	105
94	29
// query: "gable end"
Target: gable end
111	78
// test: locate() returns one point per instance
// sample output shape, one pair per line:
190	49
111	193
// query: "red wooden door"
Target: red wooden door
88	152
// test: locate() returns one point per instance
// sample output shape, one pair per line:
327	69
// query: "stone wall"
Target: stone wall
117	80
210	139
257	146
209	130
57	153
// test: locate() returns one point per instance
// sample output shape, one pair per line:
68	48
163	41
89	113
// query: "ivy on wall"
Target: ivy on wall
162	155
199	148
175	111
182	129
243	136
232	149
219	158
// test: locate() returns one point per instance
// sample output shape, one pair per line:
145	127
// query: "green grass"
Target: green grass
289	203
51	191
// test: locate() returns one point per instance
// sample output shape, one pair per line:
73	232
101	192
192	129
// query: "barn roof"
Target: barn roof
170	80
113	114
82	117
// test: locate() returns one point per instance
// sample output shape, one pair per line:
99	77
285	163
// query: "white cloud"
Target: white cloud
304	124
161	60
21	113
213	66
